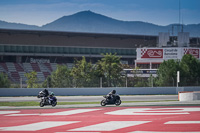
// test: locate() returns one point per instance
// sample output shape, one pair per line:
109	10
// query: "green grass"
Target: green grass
31	103
34	103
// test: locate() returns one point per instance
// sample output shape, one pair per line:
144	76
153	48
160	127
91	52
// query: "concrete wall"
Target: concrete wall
189	96
96	91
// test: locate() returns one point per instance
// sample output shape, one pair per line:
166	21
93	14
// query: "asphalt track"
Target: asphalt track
95	98
164	114
139	100
145	119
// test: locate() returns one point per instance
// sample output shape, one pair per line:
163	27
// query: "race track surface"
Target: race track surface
146	119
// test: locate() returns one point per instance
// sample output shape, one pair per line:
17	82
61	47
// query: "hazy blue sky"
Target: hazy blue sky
161	12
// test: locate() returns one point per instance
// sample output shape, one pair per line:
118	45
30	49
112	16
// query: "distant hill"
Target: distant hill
87	21
7	25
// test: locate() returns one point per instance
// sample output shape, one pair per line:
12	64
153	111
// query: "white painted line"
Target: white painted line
110	126
152	111
21	114
37	126
159	132
8	112
183	122
77	132
70	112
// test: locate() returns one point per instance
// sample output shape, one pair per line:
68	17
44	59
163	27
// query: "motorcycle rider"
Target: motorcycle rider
111	94
46	93
51	97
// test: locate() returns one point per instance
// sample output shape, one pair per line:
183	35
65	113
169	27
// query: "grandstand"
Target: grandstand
22	51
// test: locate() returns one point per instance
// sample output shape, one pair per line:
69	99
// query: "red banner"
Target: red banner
151	53
193	52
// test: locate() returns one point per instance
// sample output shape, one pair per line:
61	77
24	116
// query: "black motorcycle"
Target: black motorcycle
49	100
111	100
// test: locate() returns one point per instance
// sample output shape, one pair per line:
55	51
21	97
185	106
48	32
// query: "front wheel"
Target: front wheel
103	103
41	104
54	104
118	102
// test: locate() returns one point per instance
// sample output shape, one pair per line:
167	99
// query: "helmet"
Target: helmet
113	91
51	94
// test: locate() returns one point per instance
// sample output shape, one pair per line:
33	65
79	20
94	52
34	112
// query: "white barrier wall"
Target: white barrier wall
96	91
189	96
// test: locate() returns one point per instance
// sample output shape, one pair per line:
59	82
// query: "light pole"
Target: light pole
178	77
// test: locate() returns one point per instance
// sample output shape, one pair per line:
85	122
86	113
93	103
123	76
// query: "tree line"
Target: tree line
108	73
83	74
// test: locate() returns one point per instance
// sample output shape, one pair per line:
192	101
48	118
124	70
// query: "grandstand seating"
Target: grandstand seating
21	75
11	67
16	71
48	65
4	67
53	66
15	76
46	74
27	67
35	67
40	76
19	67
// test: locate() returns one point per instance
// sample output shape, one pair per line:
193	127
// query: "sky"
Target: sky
160	12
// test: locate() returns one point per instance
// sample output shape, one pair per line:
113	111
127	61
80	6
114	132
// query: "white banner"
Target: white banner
172	53
166	53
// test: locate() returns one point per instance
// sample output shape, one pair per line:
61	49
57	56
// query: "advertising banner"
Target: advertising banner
166	53
172	53
193	51
151	53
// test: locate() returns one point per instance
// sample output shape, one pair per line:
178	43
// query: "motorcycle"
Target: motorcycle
52	100
111	100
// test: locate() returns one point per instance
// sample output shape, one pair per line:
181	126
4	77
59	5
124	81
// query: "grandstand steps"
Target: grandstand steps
22	76
11	67
35	67
15	76
53	66
4	66
70	65
44	68
48	65
2	69
28	67
46	74
16	71
19	67
40	76
10	76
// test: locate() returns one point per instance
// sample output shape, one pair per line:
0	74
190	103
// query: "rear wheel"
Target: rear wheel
118	102
103	103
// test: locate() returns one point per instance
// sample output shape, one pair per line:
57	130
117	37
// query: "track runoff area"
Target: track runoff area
146	119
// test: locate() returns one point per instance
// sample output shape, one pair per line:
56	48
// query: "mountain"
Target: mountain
87	21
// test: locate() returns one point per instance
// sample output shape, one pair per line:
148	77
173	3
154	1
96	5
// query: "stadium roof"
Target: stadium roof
65	33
